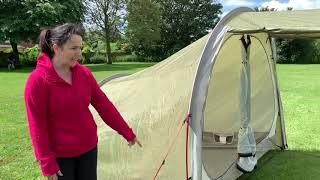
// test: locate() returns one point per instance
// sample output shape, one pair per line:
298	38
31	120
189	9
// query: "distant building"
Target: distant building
21	46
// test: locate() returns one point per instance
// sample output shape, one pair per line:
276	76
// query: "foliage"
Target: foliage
87	53
21	20
8	50
94	47
183	22
124	47
298	51
3	59
106	16
30	55
127	58
179	23
143	30
98	59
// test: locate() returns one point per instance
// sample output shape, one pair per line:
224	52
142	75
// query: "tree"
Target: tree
22	20
143	31
298	51
107	16
180	23
184	21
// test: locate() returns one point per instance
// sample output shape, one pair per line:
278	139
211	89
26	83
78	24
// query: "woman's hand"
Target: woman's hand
55	176
133	142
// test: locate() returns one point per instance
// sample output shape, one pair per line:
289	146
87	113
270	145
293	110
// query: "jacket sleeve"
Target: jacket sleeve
108	112
36	97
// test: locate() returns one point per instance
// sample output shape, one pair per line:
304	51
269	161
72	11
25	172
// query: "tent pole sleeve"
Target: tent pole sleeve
282	123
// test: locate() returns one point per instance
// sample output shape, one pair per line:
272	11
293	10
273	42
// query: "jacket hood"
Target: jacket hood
44	64
44	61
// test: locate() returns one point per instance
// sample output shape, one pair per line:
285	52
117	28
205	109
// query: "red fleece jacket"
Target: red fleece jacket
60	122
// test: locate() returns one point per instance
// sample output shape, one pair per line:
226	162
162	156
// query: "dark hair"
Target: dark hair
58	35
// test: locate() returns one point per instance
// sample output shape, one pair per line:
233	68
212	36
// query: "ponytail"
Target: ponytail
44	42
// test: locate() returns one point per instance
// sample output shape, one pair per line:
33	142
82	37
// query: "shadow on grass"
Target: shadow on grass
288	164
93	67
20	70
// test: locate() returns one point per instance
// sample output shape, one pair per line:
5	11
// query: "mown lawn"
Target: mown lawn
300	90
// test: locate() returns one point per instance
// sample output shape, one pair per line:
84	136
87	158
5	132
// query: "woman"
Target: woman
57	96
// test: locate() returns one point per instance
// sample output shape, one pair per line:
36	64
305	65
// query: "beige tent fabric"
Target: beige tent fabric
154	102
300	23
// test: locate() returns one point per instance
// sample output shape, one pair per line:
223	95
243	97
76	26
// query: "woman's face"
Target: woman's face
70	52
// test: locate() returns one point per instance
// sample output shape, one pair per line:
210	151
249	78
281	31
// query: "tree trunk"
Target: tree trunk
14	46
108	47
108	50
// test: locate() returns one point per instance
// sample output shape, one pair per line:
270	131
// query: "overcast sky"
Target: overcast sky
278	4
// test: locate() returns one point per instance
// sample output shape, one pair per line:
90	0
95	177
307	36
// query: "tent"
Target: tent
224	86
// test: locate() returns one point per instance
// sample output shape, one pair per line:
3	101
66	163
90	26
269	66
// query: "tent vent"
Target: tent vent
211	139
223	138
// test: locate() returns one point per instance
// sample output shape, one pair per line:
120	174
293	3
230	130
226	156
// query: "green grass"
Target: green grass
300	90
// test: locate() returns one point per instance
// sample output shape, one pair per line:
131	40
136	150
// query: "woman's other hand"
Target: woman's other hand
55	176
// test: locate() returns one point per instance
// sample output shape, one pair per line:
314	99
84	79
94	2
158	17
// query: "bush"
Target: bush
4	59
298	51
316	53
87	54
134	58
118	53
126	58
114	47
30	56
98	59
125	47
83	60
8	50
